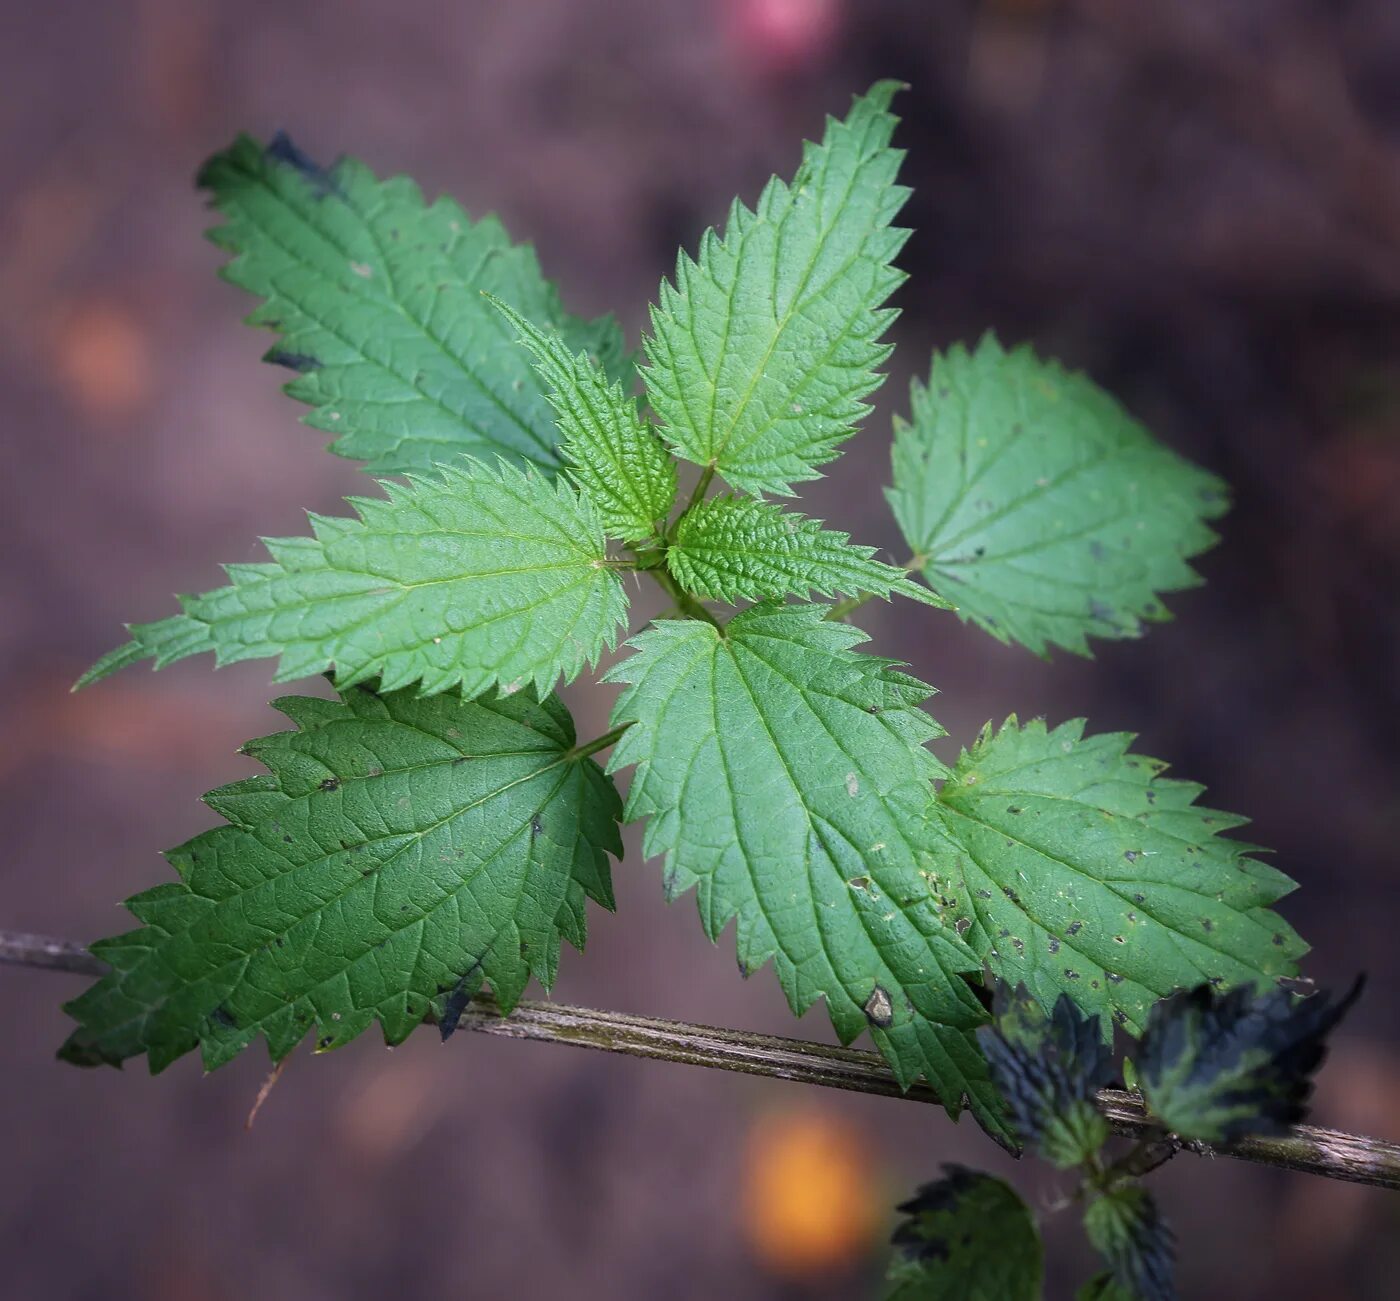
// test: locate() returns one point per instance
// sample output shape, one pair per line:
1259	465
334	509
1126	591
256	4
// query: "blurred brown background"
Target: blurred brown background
1199	202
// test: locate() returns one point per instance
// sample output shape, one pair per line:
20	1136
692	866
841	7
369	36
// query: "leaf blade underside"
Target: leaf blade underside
1040	508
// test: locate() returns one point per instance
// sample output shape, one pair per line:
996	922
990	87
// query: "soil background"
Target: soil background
1197	203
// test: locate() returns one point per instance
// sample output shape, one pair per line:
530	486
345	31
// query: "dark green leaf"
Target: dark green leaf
1217	1067
1049	1071
1128	1231
968	1237
402	851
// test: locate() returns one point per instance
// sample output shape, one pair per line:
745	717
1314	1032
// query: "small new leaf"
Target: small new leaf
402	851
1128	1231
1081	870
1104	1287
1219	1067
1049	1070
737	549
968	1237
1041	509
614	457
765	348
785	776
474	578
377	298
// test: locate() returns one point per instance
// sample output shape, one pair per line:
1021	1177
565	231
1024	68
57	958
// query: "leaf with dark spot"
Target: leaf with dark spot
1110	872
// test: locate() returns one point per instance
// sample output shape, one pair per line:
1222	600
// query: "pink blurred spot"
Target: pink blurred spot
782	35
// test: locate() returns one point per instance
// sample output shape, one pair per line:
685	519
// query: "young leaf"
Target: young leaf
377	298
1128	1231
1080	870
785	776
766	346
402	851
1104	1287
1049	1070
614	457
1217	1068
968	1237
1040	507
737	549
474	578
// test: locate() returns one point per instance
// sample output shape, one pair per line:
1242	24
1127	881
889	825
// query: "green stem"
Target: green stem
847	606
697	494
598	743
685	603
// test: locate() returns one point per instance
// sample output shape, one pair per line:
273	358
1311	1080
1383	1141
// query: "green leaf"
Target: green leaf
785	776
1050	1069
402	851
1080	870
766	346
738	549
614	457
968	1237
1217	1068
474	578
1128	1231
377	298
1041	508
1103	1287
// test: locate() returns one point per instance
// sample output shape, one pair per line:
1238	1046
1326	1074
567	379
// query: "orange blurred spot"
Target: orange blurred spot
810	1199
104	359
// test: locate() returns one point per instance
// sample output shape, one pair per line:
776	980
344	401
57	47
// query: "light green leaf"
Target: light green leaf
402	851
785	776
377	298
474	578
738	549
766	346
614	457
1042	510
969	1237
1080	870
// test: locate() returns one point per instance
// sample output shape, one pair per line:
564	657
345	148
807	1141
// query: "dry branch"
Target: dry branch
1326	1152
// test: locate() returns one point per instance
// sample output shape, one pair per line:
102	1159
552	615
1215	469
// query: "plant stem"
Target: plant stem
847	606
598	743
686	603
1324	1152
697	494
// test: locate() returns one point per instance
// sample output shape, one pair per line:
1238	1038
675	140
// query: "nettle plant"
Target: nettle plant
438	827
